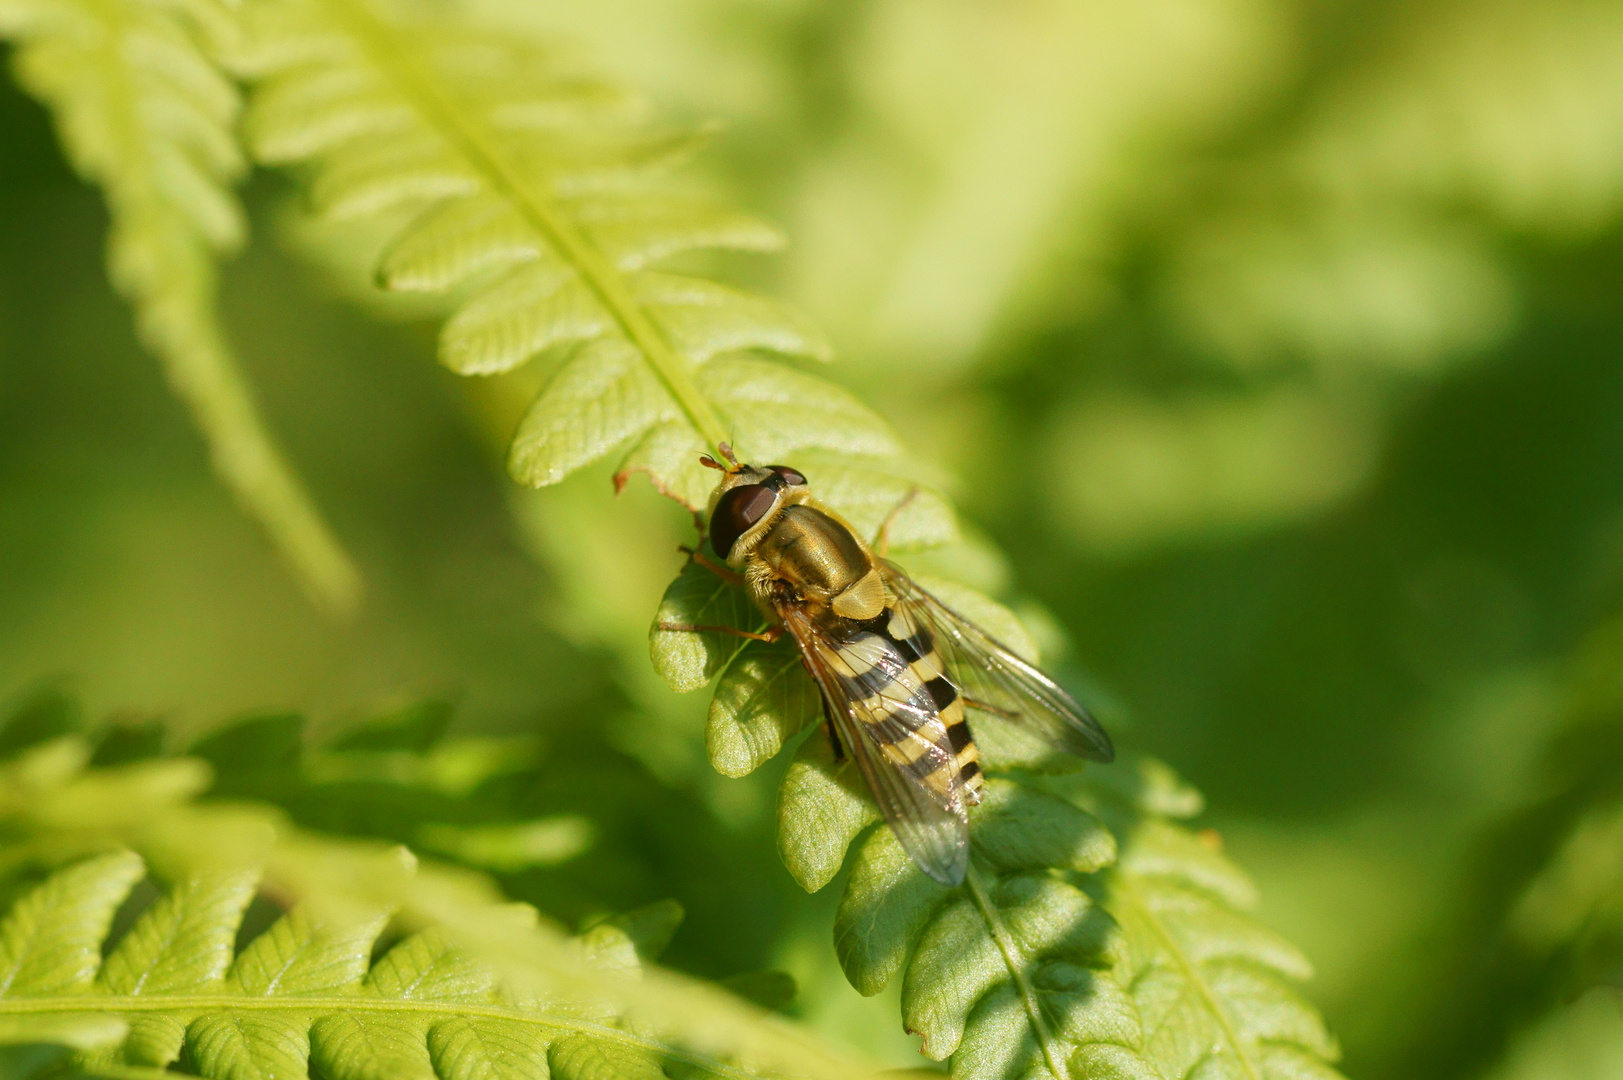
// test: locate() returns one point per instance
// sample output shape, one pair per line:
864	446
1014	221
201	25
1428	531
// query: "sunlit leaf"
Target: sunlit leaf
762	700
474	987
509	847
538	199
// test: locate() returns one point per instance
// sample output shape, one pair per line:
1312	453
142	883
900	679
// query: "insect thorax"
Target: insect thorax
814	554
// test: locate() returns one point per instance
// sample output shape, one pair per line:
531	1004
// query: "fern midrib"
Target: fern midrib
1126	890
595	270
109	1003
1028	993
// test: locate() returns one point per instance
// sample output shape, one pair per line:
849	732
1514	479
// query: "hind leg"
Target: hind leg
833	736
882	541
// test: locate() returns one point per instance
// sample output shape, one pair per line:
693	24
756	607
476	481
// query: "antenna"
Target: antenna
727	452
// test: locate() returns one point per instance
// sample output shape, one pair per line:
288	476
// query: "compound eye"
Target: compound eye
736	513
790	476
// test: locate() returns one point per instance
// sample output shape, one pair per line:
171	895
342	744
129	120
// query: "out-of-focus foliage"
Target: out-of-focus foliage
1539	919
490	803
1299	209
1274	343
151	931
142	112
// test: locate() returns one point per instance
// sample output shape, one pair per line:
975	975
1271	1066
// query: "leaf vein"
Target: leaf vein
1028	993
593	268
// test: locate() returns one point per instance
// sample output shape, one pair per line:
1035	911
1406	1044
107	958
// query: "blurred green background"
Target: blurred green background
1278	345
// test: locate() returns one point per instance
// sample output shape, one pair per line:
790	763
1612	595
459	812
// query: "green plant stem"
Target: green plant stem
538	208
1028	993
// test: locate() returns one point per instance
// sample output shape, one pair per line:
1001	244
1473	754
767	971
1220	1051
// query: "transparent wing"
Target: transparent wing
993	679
898	742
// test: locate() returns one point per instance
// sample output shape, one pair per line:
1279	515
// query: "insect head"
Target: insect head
745	498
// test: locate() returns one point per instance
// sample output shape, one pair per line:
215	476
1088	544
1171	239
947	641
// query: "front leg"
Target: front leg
725	573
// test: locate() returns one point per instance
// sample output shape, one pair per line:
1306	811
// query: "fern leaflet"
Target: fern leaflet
1056	957
477	987
1212	986
303	996
143	114
532	201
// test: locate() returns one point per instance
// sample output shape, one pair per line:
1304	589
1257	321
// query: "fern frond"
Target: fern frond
1048	962
535	202
1015	973
302	997
1213	986
476	987
533	206
1055	958
145	116
554	826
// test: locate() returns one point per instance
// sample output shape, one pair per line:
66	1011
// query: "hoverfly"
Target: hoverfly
897	668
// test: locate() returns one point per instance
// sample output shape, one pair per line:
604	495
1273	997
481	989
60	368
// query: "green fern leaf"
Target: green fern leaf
1010	974
1053	959
302	995
305	997
184	945
698	597
170	995
142	113
1212	985
50	942
532	199
1214	988
822	809
533	207
761	702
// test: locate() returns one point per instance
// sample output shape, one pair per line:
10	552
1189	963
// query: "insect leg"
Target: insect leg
883	540
833	736
992	710
771	634
727	574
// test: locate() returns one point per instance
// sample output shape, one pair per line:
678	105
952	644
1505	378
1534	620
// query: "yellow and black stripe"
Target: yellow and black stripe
890	671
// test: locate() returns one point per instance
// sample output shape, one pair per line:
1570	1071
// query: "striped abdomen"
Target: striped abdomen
889	669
